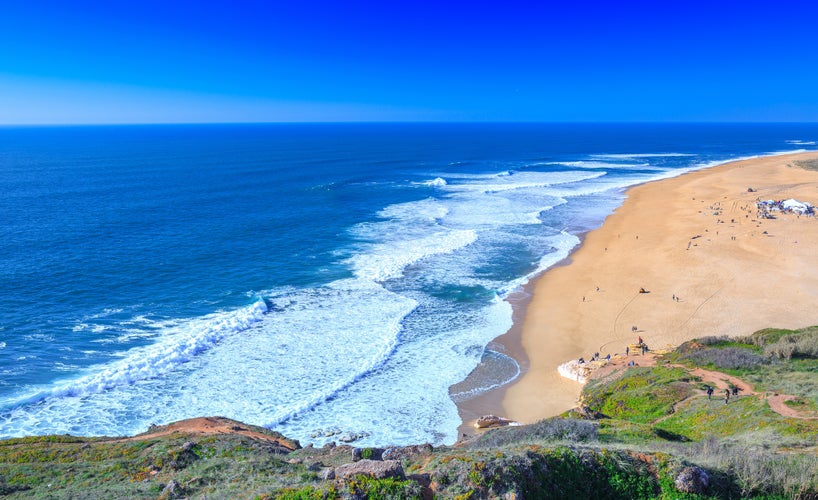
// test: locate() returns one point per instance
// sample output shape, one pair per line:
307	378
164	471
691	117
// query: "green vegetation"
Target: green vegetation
639	434
642	395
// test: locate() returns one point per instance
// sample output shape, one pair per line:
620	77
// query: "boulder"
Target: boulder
585	412
327	473
372	468
171	490
370	453
406	452
692	479
487	421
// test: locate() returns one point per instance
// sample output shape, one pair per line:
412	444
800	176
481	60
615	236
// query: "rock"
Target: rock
349	437
406	452
370	453
587	413
189	445
315	466
278	450
171	490
372	468
487	421
692	480
425	480
327	473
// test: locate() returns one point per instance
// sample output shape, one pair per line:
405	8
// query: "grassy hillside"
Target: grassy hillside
641	432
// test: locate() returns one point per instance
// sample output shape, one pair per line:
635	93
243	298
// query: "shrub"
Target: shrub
803	345
714	340
551	429
388	487
732	358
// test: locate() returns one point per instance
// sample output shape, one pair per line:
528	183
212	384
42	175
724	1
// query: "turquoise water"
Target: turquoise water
324	277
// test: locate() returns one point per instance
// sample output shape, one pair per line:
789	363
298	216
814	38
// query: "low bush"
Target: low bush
551	429
804	345
714	340
730	358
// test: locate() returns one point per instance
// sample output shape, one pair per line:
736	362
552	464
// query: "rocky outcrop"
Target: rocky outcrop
171	490
489	421
692	480
377	469
370	453
406	452
586	413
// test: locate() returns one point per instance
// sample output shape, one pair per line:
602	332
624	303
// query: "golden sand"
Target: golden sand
696	237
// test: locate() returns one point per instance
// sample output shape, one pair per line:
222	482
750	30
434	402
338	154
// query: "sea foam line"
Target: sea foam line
150	362
376	361
388	260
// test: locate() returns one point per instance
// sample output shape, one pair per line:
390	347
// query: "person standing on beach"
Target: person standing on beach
726	395
627	351
709	392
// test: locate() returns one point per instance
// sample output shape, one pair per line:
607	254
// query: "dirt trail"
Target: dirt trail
719	380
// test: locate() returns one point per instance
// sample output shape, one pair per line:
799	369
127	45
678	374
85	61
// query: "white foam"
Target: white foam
436	182
387	317
177	348
625	156
476	391
519	180
606	165
383	261
427	210
801	143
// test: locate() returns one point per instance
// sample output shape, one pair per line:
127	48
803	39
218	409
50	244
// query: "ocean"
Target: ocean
328	281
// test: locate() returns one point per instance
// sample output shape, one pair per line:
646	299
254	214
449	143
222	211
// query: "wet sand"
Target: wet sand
696	237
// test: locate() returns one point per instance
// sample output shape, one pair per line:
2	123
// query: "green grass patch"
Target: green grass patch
697	418
641	395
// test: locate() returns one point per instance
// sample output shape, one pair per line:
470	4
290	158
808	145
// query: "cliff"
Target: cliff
646	431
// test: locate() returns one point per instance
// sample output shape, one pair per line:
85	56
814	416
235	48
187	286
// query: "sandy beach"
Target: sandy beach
709	265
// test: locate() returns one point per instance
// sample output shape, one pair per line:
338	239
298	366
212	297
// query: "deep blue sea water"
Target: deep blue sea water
313	277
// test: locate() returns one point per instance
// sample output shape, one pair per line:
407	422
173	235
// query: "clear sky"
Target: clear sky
146	61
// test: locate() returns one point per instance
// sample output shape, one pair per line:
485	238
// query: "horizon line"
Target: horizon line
418	122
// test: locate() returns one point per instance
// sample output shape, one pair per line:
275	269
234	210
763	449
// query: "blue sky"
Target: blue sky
247	61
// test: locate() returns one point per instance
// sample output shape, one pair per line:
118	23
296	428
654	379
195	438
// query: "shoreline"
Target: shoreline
732	273
490	402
